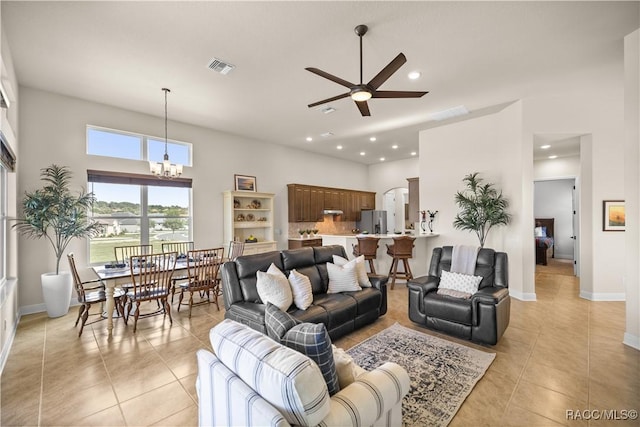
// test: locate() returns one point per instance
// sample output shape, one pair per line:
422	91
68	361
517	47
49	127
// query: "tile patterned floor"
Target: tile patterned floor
559	353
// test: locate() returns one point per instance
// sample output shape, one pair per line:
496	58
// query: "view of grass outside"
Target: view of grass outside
101	248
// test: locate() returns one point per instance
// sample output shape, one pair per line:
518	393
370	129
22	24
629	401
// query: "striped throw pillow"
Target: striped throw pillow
342	279
301	289
274	287
361	270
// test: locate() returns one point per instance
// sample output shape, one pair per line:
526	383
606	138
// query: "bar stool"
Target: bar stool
367	246
402	249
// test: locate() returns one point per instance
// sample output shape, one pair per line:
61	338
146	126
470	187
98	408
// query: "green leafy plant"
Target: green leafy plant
53	212
482	207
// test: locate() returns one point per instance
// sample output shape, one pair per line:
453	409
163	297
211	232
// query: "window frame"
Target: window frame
144	144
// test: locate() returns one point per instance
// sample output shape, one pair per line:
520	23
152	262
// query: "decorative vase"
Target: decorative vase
56	290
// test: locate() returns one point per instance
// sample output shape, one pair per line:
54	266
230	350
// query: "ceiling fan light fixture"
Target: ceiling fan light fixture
360	94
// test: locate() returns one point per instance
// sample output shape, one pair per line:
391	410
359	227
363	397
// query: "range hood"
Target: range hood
332	212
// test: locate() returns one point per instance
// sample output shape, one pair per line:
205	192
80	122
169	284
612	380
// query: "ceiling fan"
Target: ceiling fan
360	93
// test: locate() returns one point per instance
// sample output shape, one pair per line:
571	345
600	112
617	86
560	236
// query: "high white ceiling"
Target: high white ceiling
477	54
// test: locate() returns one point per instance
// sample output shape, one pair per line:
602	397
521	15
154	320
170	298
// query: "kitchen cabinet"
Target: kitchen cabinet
306	202
304	243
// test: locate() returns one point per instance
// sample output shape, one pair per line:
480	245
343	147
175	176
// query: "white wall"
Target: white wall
562	167
384	176
53	129
632	187
489	145
554	199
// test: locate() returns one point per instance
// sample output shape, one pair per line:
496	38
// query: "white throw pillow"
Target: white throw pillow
345	367
361	270
460	282
301	289
342	279
274	287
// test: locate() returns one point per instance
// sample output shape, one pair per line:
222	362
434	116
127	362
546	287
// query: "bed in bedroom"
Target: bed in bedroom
544	233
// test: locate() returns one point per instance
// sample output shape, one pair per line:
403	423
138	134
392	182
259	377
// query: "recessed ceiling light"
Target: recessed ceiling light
309	139
394	146
372	139
382	159
553	157
413	153
545	147
414	75
339	147
362	153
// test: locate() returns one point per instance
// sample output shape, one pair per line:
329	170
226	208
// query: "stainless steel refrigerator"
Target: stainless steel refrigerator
375	222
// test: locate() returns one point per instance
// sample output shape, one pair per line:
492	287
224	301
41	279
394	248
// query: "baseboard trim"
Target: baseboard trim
603	296
631	340
32	309
522	296
6	349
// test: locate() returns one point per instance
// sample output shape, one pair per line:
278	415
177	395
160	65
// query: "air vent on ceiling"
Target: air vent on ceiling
450	113
220	66
328	110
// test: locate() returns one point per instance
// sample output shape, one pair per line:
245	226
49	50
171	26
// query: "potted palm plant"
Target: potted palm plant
56	214
482	207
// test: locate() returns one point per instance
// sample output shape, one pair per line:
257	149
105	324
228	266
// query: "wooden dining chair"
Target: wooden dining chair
235	250
91	292
123	253
151	279
202	268
182	248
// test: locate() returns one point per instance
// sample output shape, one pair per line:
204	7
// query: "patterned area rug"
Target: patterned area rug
442	373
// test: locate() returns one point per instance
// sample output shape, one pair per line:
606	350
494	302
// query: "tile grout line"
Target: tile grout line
104	364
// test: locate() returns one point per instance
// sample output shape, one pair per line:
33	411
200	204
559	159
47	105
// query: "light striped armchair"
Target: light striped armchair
252	380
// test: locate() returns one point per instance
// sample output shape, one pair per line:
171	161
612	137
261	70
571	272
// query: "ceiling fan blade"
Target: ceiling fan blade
324	101
363	107
397	94
330	77
387	71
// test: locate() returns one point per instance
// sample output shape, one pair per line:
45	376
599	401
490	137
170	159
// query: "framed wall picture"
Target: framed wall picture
245	183
613	215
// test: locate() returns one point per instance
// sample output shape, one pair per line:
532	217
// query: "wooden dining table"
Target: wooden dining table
112	277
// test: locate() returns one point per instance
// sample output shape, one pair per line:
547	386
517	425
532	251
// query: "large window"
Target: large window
125	145
137	209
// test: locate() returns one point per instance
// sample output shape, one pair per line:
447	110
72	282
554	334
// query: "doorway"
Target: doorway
396	201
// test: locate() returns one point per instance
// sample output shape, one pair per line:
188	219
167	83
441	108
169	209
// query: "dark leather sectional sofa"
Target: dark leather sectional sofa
341	313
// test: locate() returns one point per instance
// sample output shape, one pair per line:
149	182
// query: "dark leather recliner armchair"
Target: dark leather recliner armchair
483	318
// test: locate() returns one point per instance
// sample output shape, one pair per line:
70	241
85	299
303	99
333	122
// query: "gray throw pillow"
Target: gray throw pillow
312	340
277	322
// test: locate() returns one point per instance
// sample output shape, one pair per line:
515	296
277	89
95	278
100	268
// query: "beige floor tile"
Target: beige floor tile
519	417
156	405
108	417
543	401
69	407
562	381
186	417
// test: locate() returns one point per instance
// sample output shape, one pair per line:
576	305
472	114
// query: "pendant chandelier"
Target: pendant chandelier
165	169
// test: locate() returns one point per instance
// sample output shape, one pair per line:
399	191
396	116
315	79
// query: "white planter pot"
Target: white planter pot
56	290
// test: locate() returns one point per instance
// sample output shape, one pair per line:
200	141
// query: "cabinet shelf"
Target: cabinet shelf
241	230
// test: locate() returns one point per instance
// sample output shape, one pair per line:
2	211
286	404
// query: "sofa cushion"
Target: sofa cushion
277	322
273	286
361	270
341	308
312	340
342	279
285	378
301	289
443	307
367	300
